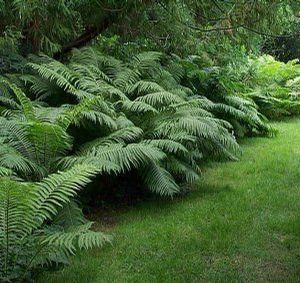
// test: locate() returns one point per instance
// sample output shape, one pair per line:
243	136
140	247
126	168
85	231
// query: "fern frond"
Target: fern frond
59	74
24	101
127	157
57	189
79	236
159	180
137	106
182	170
144	87
160	98
145	60
17	134
123	136
168	146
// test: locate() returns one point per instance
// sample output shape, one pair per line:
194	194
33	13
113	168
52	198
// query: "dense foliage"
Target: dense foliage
27	240
57	26
125	107
275	87
271	86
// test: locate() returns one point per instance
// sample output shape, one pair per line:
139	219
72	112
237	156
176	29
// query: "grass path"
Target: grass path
241	224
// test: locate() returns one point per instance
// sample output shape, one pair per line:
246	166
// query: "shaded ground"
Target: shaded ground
241	224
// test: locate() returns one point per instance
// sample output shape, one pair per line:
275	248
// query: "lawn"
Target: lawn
241	223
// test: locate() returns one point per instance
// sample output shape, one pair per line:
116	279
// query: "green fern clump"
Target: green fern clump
30	146
60	124
27	241
141	115
137	113
159	116
35	229
225	88
246	93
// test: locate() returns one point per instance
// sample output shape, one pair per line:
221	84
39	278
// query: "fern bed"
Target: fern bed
240	224
138	112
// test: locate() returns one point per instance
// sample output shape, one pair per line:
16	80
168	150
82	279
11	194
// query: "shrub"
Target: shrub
275	86
225	87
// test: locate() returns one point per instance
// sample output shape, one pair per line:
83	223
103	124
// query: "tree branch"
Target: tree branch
89	34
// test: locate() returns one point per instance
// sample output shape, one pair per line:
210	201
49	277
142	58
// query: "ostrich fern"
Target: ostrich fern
156	108
227	101
27	240
157	119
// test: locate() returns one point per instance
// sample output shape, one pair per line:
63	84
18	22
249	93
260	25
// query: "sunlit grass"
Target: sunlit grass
241	224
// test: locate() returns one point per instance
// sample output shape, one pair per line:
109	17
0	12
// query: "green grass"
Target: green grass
241	224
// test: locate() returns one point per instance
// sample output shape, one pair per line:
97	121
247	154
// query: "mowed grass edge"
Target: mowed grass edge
240	224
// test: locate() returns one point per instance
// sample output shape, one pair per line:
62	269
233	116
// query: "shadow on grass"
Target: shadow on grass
156	206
